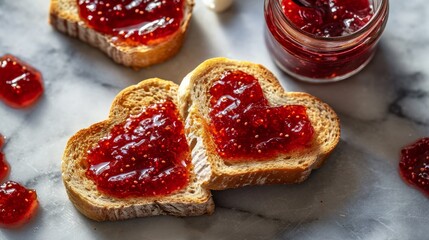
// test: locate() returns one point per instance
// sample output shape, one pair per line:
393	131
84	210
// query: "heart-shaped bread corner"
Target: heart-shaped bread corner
143	189
245	129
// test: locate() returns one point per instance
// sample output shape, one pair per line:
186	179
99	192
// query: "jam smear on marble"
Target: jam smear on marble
4	167
133	21
147	155
246	127
20	84
17	204
329	18
414	164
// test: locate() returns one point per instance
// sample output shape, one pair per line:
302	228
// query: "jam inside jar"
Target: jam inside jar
330	41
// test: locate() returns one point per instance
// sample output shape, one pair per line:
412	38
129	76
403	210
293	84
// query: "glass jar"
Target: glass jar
313	58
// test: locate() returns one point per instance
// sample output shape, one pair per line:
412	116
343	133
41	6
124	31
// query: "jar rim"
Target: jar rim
353	35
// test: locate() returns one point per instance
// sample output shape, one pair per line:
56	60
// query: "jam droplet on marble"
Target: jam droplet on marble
17	204
246	127
329	18
147	155
4	167
414	164
20	84
133	21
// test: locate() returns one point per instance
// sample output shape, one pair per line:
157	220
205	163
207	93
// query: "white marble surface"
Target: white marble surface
356	195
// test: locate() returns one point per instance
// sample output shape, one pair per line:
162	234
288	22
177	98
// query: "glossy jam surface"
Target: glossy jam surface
329	18
20	84
414	164
17	204
245	127
145	156
4	167
333	49
133	21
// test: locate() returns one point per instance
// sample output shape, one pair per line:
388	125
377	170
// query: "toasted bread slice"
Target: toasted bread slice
291	167
64	16
191	201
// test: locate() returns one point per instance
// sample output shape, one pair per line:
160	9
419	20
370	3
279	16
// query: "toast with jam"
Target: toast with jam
164	147
137	162
136	34
245	129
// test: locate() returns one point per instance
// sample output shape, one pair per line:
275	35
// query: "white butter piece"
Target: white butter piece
218	5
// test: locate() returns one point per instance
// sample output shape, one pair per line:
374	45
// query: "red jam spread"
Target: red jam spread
133	21
4	167
17	204
145	156
245	127
20	84
329	18
414	164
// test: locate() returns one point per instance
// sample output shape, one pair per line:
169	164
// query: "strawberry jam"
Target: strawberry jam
17	204
330	41
244	126
20	84
329	18
414	164
133	21
147	155
4	167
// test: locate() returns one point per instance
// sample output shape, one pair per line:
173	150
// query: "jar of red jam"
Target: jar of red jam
329	41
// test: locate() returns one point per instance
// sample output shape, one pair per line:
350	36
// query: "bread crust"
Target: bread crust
191	201
287	168
65	18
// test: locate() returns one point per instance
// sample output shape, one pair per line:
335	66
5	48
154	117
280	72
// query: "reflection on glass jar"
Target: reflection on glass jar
322	53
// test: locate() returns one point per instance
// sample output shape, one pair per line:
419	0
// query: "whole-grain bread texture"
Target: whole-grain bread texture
290	167
191	201
64	17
